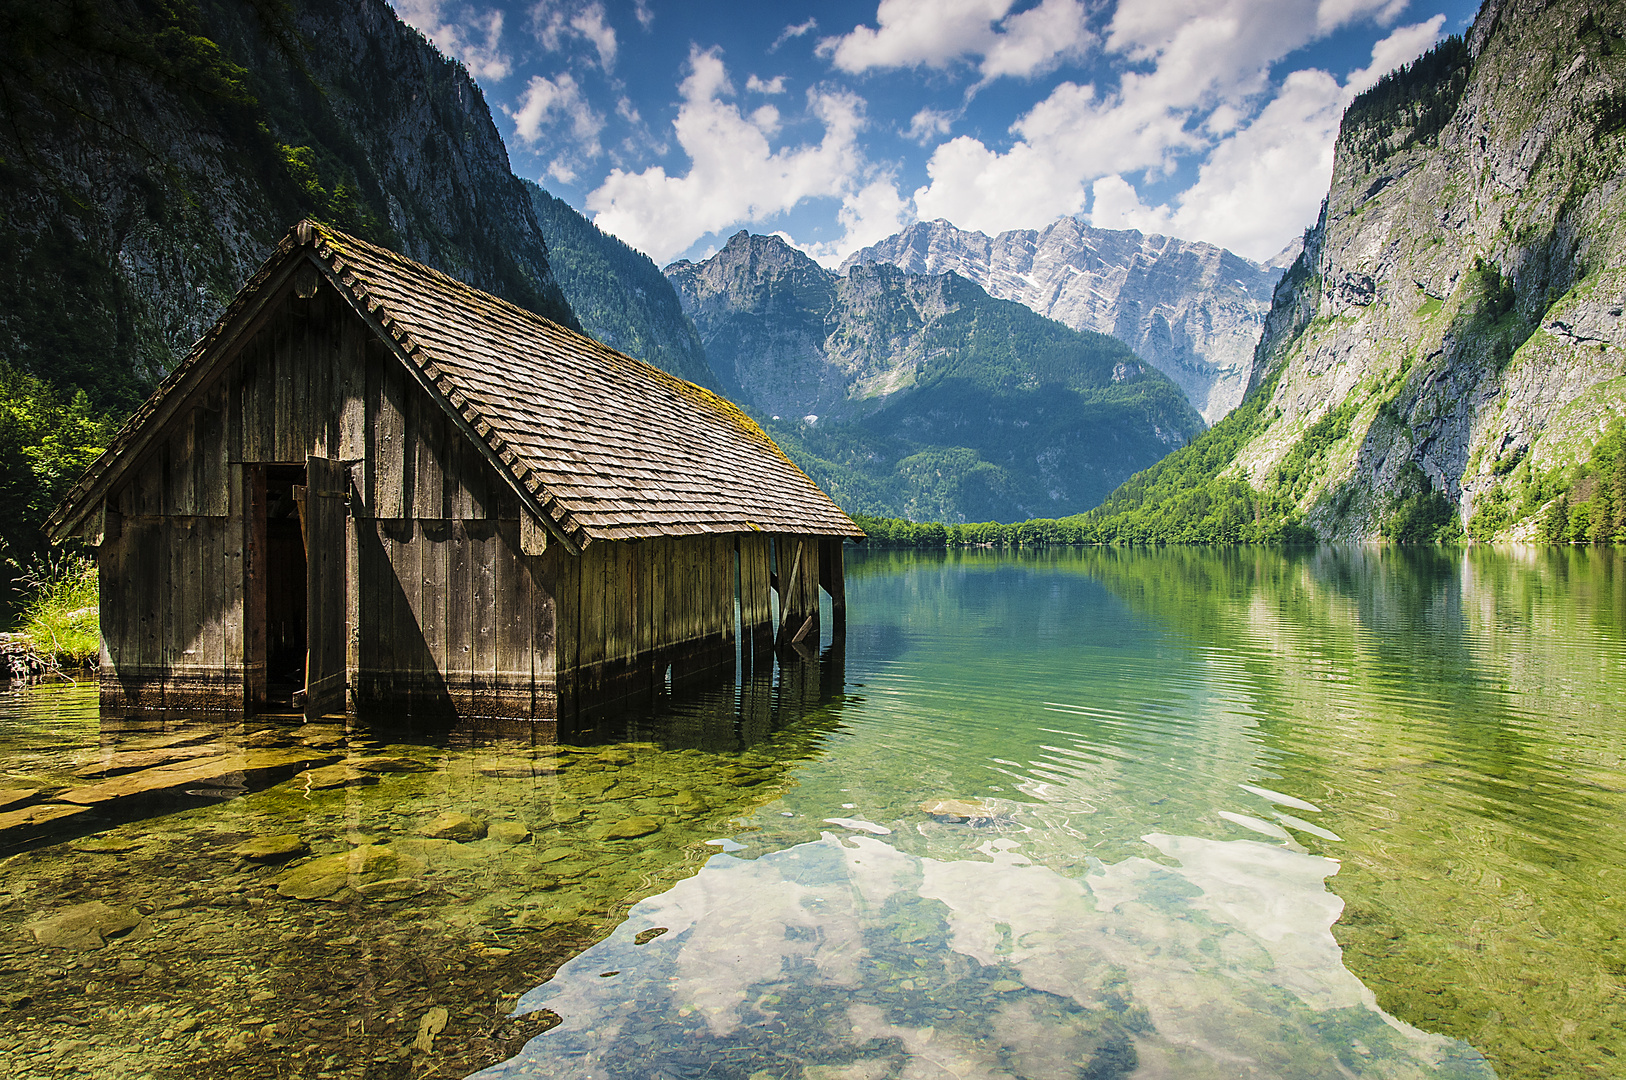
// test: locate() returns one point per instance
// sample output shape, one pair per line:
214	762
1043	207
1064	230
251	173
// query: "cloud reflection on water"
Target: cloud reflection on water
846	958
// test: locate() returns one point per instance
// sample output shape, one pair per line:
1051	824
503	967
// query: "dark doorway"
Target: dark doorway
285	589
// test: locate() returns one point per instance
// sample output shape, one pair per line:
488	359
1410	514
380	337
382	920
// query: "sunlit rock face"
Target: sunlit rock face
1460	298
1192	309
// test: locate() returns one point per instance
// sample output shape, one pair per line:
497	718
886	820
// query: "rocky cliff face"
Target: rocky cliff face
764	311
1192	309
919	395
155	152
1451	341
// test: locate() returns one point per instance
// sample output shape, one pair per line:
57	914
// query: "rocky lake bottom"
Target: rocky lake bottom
1093	814
375	913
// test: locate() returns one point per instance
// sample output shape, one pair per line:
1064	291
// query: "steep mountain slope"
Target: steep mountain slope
154	152
618	293
922	396
1192	309
763	310
1449	350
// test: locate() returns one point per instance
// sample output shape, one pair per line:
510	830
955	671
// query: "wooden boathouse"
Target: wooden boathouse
373	487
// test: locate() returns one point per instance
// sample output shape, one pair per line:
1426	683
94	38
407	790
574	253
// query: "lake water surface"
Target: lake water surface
1175	813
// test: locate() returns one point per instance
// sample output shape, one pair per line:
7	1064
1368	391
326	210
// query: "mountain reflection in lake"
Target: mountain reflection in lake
1185	813
1230	813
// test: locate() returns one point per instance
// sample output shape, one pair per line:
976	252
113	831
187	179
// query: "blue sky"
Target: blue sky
675	123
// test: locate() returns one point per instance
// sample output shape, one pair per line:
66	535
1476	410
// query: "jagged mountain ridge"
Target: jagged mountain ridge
1192	309
157	153
920	395
1448	353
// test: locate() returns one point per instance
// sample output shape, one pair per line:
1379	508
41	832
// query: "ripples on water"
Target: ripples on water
1214	813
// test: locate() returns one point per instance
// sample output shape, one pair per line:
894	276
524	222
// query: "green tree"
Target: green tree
47	438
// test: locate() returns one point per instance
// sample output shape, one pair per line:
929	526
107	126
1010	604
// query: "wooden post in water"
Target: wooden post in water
832	578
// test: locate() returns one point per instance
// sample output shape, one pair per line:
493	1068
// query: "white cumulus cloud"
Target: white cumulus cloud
1116	205
1193	75
1263	183
736	175
937	33
470	34
1035	40
867	215
1401	47
775	85
558	26
790	33
929	123
548	103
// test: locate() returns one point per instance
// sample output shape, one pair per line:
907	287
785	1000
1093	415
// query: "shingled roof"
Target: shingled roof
600	446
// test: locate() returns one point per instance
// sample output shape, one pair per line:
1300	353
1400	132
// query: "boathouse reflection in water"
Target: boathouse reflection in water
214	907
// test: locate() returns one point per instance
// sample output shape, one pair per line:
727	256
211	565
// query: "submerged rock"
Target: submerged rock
399	888
454	826
596	787
107	845
958	809
392	765
319	879
123	761
10	797
859	825
30	818
517	772
268	737
272	849
334	776
207	772
432	1023
83	927
332	877
629	828
688	802
509	832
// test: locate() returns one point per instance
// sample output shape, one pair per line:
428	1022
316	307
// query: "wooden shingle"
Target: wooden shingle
603	446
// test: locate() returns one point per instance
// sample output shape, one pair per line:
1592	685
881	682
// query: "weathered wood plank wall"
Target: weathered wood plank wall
756	596
444	610
797	560
641	607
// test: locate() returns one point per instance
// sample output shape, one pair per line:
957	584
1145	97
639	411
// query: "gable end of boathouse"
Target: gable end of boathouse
373	487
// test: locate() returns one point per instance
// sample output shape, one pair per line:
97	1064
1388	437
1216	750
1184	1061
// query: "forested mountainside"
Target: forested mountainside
1192	309
1447	356
152	154
618	292
920	395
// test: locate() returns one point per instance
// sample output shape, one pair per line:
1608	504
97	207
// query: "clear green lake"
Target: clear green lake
1095	813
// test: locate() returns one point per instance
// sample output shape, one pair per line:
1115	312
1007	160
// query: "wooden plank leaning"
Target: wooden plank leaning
788	591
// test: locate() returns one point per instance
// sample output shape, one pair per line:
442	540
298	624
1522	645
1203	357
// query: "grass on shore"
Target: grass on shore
61	614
